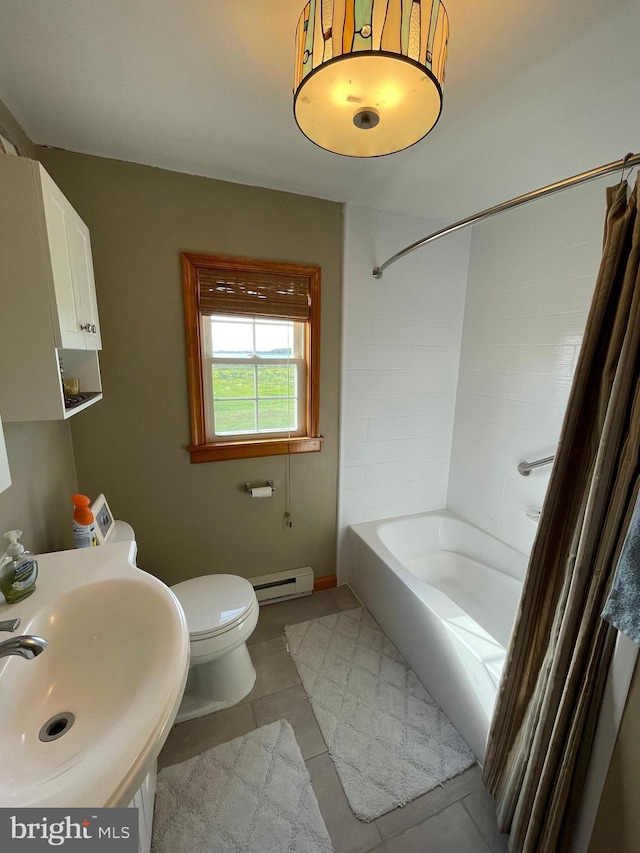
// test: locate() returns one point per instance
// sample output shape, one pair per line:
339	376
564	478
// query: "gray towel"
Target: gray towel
622	608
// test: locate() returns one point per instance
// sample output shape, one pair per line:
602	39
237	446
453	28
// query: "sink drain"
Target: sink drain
57	726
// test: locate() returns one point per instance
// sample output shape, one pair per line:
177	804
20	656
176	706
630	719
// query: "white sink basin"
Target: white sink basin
117	661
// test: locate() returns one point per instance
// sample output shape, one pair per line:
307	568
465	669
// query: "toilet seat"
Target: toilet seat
215	604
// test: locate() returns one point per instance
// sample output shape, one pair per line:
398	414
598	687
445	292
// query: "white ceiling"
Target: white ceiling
534	92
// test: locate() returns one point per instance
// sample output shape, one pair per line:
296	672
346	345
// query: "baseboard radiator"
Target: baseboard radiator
283	585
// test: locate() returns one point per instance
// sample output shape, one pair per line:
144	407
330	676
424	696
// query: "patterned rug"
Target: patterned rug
251	795
389	740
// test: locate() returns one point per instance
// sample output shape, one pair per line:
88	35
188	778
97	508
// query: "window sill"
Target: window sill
222	450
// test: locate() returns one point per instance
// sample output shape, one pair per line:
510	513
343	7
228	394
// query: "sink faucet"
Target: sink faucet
27	646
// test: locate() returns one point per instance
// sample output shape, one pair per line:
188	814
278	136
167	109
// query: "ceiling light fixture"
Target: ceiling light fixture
369	73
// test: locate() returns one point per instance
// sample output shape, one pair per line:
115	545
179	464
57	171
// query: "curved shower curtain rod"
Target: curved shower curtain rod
629	161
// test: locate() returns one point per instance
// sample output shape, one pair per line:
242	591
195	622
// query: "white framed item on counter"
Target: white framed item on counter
103	518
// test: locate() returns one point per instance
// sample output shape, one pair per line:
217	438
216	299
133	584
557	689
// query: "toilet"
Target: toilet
221	613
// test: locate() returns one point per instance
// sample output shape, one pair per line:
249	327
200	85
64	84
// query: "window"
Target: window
254	376
253	335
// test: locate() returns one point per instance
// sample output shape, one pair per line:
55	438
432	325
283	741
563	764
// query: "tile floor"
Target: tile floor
455	818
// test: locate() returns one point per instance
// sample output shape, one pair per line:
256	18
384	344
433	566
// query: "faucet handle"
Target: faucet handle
10	624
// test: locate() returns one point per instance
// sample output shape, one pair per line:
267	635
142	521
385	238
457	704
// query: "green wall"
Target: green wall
195	519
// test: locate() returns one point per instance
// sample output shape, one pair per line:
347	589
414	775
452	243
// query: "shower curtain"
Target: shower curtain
552	685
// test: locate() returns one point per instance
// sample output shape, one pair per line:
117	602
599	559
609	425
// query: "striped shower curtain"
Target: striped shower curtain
552	685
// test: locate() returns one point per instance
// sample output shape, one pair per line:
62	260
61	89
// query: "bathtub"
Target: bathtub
446	593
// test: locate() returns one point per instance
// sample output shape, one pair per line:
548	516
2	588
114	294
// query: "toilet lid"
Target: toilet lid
214	602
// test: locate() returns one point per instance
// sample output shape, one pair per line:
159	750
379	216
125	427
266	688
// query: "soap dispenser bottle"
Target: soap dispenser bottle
18	570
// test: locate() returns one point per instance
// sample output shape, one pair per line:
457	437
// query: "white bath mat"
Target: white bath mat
389	740
251	795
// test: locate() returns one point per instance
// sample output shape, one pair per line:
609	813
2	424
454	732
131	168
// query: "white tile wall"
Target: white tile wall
531	278
401	353
444	395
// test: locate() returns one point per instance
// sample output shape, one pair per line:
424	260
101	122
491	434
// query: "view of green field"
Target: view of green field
240	406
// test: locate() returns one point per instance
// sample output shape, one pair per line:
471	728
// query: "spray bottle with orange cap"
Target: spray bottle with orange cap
84	526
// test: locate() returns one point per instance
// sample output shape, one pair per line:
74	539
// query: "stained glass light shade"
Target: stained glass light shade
369	73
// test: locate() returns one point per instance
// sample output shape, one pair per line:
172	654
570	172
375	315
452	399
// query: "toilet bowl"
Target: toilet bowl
221	612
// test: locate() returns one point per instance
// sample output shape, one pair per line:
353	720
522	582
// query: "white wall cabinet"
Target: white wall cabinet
72	269
47	297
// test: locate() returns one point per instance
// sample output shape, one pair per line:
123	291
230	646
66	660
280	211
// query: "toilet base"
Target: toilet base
218	684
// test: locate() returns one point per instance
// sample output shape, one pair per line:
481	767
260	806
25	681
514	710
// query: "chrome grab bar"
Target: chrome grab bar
525	468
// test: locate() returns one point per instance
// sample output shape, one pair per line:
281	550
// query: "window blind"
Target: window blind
223	291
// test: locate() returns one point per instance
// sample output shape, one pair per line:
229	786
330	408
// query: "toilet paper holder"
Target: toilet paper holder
248	487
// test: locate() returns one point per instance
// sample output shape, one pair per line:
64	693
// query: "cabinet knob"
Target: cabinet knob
86	327
93	329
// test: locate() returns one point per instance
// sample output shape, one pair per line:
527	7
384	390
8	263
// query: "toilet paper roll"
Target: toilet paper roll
261	492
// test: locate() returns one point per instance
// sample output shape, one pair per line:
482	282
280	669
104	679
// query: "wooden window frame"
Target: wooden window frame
200	450
299	362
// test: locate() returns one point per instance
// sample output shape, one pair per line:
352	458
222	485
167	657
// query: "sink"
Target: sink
106	689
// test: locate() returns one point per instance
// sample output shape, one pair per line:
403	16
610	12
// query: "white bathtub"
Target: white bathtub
446	593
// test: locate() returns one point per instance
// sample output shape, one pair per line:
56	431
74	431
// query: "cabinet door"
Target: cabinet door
72	268
84	284
57	211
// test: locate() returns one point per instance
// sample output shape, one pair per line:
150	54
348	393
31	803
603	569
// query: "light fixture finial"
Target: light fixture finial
367	118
